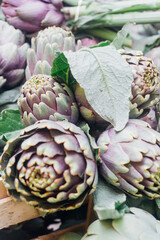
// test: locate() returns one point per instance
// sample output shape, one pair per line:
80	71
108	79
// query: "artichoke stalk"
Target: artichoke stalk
42	97
13	54
130	159
144	86
50	165
44	47
31	16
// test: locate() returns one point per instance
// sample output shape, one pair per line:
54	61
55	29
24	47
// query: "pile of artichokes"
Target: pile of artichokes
53	164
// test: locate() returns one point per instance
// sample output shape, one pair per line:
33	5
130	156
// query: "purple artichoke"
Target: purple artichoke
44	47
130	159
31	16
88	42
151	118
50	165
13	54
154	54
144	86
43	98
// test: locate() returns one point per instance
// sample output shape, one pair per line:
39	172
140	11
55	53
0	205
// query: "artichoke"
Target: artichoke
31	16
155	55
89	42
44	47
151	118
50	165
136	225
145	83
13	53
43	98
130	159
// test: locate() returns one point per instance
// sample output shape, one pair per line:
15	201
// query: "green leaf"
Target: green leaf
106	79
10	122
154	42
121	36
10	96
102	44
13	106
70	236
146	43
61	70
108	203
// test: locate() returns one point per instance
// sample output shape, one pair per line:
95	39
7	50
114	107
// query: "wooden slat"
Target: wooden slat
55	235
12	212
3	191
77	228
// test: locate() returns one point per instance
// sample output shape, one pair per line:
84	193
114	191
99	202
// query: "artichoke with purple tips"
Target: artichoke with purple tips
50	165
44	47
31	16
43	98
130	159
13	54
144	86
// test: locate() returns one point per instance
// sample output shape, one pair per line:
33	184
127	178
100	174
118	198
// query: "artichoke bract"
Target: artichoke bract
44	48
50	165
144	86
151	118
130	159
42	97
13	54
31	16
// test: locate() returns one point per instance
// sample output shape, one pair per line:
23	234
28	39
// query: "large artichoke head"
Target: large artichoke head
50	165
43	98
130	159
13	54
44	48
31	16
144	86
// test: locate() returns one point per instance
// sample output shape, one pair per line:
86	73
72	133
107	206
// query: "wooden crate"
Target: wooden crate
16	212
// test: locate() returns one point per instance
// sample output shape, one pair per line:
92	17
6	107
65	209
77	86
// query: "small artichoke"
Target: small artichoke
145	83
43	98
13	54
50	165
136	225
130	159
44	47
31	16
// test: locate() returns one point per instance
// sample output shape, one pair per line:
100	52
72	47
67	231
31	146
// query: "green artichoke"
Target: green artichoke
145	83
130	159
137	225
50	165
44	48
43	98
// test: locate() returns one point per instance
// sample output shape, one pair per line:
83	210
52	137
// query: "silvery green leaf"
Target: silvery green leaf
121	36
108	203
106	79
10	96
